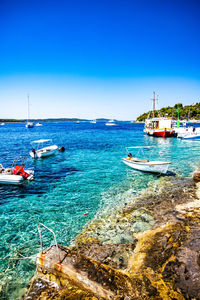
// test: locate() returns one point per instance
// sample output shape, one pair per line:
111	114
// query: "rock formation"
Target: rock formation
147	249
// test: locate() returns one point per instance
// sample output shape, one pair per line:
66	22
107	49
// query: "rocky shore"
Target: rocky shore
146	249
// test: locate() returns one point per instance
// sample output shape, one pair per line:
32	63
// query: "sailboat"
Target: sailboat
28	124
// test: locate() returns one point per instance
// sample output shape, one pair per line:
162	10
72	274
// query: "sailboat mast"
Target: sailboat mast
28	108
154	103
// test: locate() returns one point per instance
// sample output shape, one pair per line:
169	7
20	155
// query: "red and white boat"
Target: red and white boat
16	174
160	127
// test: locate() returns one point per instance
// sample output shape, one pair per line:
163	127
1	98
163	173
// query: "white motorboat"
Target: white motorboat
93	121
2	124
190	133
39	151
15	175
111	123
191	136
38	124
145	165
28	124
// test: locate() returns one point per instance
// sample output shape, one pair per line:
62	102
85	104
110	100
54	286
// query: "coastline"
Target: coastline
144	249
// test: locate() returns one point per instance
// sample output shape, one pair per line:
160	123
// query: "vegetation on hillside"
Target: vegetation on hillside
186	112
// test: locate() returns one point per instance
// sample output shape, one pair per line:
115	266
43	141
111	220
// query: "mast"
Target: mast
28	108
154	103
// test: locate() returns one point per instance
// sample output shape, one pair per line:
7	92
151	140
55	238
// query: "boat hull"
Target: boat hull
152	167
164	133
15	179
191	137
44	152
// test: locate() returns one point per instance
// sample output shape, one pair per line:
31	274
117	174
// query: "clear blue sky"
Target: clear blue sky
97	58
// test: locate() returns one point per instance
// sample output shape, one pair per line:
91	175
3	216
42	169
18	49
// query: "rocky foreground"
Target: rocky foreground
147	249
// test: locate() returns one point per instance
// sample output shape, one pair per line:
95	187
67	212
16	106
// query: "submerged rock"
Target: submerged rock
196	175
148	250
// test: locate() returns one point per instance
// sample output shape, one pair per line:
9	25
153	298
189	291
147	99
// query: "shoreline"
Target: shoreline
136	251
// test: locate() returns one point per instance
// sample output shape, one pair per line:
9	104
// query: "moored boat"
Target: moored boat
145	165
16	175
161	126
40	152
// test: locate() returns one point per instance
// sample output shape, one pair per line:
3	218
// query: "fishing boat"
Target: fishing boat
160	127
143	164
28	123
16	175
111	123
38	151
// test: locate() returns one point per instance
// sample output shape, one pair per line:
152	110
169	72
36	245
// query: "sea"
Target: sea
72	187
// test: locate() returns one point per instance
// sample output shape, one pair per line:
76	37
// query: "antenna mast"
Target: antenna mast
154	103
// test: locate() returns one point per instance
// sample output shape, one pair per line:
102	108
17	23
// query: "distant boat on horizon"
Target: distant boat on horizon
38	124
111	123
93	121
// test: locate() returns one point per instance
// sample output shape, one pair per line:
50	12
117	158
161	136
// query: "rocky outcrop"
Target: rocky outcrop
147	249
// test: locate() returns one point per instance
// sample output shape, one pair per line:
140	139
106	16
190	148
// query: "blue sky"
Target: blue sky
94	59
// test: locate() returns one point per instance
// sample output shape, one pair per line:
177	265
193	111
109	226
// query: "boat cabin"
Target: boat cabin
156	123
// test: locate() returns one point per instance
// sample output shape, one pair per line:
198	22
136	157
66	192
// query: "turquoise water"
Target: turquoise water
88	177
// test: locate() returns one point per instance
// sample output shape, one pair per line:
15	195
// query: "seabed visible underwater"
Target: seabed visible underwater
88	177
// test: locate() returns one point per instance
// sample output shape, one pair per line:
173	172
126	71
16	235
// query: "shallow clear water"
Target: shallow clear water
88	177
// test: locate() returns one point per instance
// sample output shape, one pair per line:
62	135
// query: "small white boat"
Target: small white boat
111	123
15	175
29	125
145	165
39	151
2	124
38	124
93	121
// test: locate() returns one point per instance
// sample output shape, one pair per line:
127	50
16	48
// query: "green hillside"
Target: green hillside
191	111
